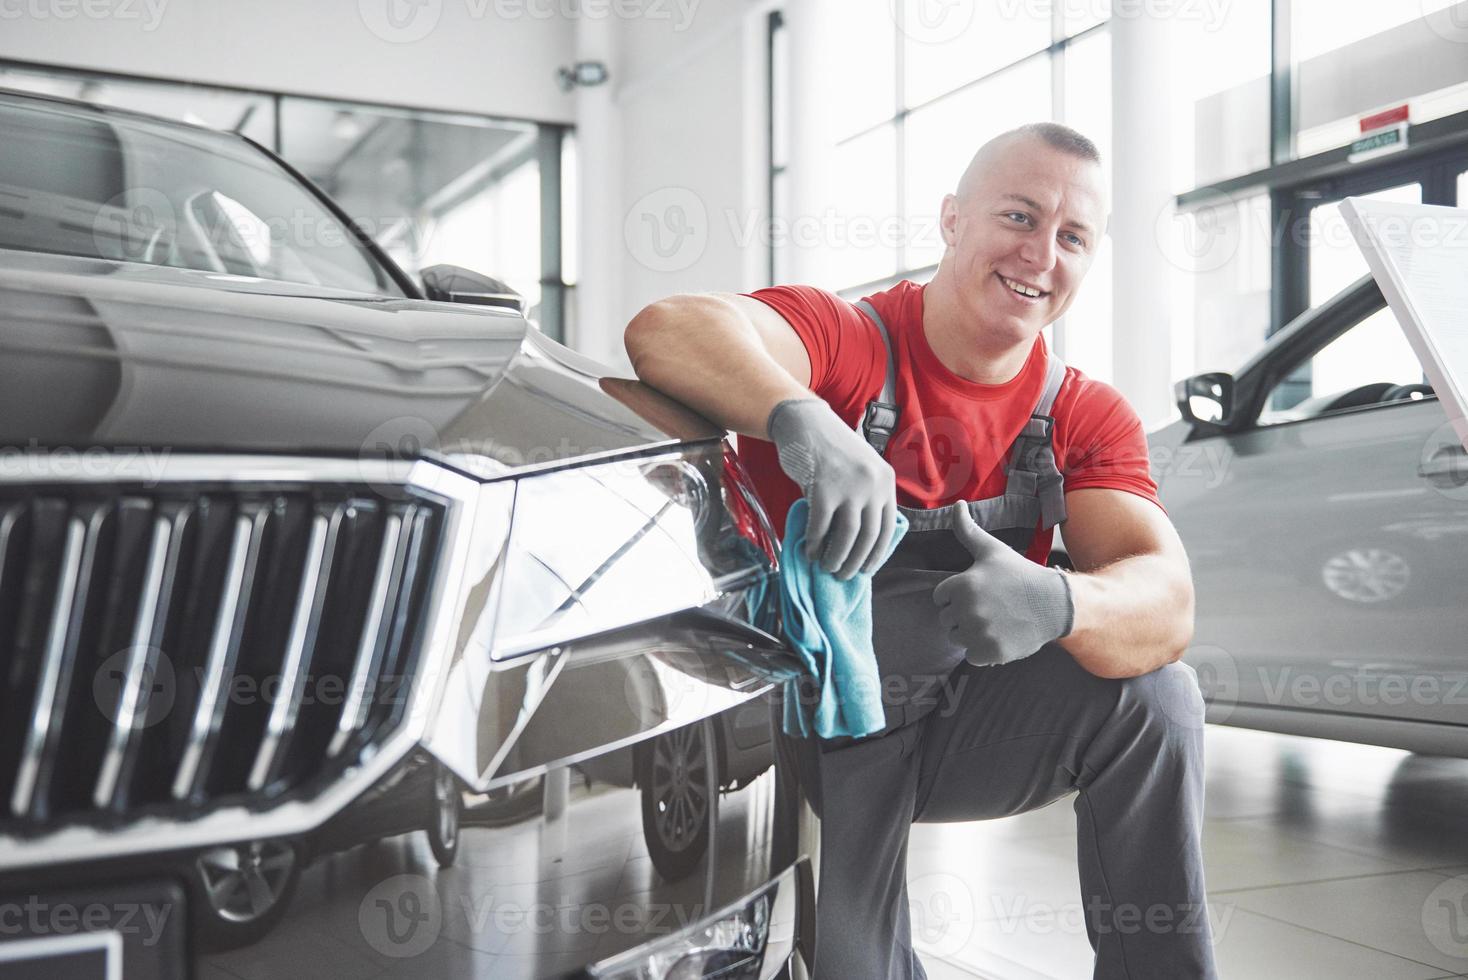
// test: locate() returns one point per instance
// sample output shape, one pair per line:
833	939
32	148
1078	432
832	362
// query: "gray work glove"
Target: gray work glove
1003	607
852	491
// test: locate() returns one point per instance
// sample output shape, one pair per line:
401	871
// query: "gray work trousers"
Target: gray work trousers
1005	740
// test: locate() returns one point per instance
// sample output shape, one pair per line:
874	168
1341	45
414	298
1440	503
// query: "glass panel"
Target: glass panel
1081	15
1088	92
1221	288
1086	329
862	243
1335	259
250	115
1221	99
1355	369
781	219
865	62
948	44
942	139
431	188
570	210
158	193
1339	46
780	96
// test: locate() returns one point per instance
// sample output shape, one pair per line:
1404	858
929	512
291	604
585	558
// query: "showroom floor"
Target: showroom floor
1324	860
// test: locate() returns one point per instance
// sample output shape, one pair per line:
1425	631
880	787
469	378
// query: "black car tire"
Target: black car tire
233	908
446	820
677	808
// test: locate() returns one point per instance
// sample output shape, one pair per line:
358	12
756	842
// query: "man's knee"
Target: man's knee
1168	700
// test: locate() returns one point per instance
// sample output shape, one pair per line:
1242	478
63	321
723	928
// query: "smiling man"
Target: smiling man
944	402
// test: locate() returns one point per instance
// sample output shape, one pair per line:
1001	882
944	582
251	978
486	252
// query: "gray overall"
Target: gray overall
965	742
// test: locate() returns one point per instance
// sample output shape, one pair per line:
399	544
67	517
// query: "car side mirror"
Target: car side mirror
1206	399
451	284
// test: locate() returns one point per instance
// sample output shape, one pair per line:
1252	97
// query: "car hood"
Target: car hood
96	353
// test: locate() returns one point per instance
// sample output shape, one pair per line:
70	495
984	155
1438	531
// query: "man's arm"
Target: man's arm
1132	588
730	357
742	364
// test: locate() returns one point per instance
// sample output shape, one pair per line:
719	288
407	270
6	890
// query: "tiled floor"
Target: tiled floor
1324	860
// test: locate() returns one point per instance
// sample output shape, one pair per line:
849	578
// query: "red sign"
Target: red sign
1385	118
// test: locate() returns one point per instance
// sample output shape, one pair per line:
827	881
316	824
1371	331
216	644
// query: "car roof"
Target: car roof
80	107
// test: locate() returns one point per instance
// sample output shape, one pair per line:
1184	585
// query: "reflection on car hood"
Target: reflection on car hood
95	353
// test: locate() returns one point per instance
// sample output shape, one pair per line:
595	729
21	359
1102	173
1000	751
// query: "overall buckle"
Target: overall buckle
878	424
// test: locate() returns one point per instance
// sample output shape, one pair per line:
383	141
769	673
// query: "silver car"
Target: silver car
1323	499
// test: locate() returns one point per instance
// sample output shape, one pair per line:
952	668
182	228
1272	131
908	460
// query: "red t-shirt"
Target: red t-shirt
953	436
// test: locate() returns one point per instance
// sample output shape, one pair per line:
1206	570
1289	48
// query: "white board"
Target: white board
1418	254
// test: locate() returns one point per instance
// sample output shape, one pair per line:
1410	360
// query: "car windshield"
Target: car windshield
74	182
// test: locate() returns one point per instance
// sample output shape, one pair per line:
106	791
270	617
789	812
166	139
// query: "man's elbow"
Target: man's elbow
642	333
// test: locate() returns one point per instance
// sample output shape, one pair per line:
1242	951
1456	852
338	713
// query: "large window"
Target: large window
431	188
923	86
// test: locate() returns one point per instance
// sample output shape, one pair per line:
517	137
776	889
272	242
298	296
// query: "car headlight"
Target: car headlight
749	940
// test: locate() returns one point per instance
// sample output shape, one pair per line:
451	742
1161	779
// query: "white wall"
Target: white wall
688	165
486	56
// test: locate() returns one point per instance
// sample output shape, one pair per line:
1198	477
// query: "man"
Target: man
1059	681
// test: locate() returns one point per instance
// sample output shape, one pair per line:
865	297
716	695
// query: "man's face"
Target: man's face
1022	235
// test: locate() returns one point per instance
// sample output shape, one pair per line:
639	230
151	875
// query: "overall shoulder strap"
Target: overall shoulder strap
879	420
1032	467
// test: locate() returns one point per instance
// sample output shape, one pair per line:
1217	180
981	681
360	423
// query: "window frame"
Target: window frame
1329	322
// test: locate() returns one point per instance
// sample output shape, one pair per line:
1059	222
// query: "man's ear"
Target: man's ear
948	220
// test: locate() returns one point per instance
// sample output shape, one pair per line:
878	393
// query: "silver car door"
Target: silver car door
1327	551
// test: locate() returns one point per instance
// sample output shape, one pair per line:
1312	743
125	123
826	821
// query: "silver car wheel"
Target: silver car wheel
679	775
1366	575
244	883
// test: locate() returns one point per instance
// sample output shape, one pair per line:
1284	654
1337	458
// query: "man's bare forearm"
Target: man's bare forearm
705	352
1131	616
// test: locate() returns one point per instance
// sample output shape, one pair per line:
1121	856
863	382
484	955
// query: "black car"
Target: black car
348	625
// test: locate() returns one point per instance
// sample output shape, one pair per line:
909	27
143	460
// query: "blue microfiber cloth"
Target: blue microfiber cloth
829	624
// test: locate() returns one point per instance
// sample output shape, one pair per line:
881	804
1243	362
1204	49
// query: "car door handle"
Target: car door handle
1448	464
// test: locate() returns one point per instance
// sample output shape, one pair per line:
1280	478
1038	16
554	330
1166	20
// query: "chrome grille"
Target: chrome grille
169	650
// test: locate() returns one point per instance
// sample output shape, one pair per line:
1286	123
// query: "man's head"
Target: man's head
1023	228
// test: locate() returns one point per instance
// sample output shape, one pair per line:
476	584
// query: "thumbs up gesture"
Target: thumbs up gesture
1003	607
